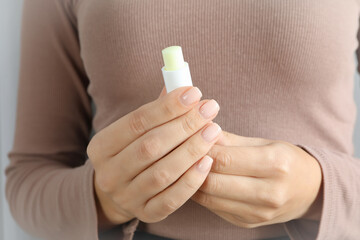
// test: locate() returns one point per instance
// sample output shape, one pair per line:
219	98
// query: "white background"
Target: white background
10	17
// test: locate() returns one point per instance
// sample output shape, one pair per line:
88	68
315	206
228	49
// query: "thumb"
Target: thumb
163	92
230	139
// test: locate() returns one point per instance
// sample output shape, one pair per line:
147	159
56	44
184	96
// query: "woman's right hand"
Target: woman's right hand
151	161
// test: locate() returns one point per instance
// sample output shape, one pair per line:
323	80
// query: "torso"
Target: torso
279	70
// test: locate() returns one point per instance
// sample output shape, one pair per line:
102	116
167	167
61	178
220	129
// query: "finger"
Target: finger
243	161
112	139
230	139
163	92
224	205
156	143
244	212
165	172
241	221
175	196
238	188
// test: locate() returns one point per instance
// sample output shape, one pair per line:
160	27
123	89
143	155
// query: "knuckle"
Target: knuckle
189	185
204	199
168	109
213	184
149	148
263	216
168	206
137	122
195	151
281	166
160	178
247	225
94	148
276	161
189	124
223	160
275	199
279	198
264	197
104	183
163	209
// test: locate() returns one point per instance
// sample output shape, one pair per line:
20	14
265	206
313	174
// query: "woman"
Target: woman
282	165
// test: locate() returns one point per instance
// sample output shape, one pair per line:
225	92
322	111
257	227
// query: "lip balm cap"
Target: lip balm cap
173	58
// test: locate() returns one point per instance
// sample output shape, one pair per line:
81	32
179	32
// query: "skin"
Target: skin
252	181
255	182
162	147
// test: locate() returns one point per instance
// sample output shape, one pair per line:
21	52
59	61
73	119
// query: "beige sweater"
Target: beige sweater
279	69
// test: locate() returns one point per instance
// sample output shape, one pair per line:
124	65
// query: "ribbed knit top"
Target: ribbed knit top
278	69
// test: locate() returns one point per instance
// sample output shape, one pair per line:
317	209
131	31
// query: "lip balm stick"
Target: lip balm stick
176	71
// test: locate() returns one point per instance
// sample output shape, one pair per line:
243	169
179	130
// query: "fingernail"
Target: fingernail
204	164
209	109
191	96
211	132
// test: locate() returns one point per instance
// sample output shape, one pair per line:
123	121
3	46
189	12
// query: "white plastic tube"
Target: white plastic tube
176	71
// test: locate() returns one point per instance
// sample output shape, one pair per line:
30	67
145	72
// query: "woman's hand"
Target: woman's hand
255	182
147	162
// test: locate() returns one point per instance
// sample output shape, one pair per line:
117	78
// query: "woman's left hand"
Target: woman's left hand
255	182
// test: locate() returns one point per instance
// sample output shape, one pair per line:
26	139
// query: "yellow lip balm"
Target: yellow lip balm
176	72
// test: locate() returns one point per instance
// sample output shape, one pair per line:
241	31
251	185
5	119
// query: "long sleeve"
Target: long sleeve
282	56
340	216
49	182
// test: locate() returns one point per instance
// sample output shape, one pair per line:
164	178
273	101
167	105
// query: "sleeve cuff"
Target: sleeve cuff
304	229
123	232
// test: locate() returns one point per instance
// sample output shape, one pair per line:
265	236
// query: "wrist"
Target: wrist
104	211
315	210
103	222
